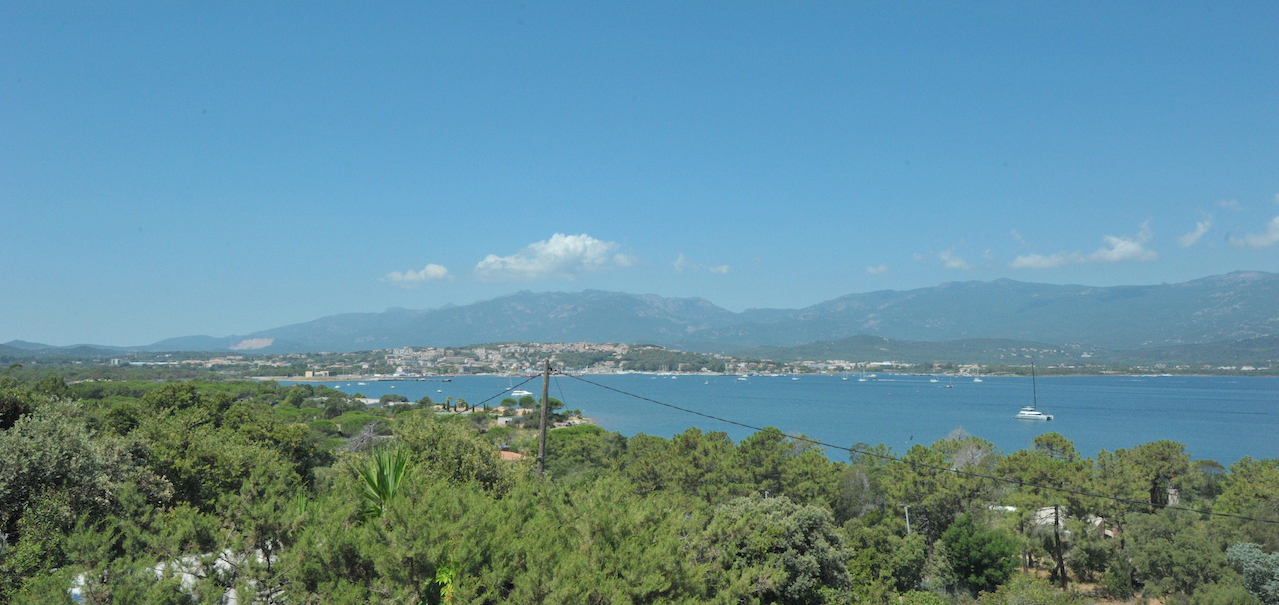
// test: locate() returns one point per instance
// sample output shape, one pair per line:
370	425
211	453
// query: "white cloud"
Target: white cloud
560	257
1201	228
413	279
682	265
1259	240
1039	261
1230	204
1116	249
919	258
877	270
952	261
1017	236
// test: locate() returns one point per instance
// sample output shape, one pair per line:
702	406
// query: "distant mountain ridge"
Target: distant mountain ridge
1235	306
1226	307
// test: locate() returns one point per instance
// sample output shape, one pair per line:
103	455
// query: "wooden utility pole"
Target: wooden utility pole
541	441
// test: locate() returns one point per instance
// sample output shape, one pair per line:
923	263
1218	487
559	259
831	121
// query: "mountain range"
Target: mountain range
1232	307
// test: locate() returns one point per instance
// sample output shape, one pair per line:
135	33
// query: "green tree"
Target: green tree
1027	589
862	488
1252	490
1173	554
1260	570
259	522
694	463
1161	464
1053	463
53	449
883	563
1117	474
581	450
141	553
786	553
1223	593
16	399
450	451
982	559
928	483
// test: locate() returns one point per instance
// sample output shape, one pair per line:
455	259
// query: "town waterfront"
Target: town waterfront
1218	418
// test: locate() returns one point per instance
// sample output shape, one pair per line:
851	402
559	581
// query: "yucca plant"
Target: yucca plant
381	481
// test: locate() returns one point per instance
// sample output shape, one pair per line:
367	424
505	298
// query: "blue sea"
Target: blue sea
1217	418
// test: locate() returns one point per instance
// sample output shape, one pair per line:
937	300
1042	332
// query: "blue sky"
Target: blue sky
186	169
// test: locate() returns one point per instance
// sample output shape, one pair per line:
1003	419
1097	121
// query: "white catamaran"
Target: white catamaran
1028	412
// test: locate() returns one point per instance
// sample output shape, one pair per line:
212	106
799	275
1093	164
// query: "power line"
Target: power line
509	389
915	465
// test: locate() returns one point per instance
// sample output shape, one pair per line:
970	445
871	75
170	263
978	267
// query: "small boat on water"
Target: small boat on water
1030	412
522	393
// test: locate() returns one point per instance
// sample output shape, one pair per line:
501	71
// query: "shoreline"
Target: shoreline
450	378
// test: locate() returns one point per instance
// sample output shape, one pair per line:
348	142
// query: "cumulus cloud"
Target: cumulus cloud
413	279
1039	261
1259	240
877	270
683	265
1116	249
560	257
950	260
1201	228
1119	249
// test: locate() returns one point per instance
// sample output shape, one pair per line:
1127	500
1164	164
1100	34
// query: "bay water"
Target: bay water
1217	418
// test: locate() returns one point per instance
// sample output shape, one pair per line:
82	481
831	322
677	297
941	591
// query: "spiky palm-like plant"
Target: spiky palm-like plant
381	481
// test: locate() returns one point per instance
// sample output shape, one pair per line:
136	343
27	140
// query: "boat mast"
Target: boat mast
1034	393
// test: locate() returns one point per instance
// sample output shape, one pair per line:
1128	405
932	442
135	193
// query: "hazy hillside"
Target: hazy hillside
1261	351
1222	308
1227	307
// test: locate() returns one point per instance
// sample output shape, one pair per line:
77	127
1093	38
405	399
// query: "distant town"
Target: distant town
525	358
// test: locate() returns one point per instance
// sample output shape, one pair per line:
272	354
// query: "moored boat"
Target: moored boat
1029	412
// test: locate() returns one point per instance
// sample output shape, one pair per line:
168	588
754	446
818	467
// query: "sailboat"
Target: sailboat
1029	412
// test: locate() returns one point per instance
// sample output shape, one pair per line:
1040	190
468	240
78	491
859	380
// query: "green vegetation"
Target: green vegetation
177	492
657	359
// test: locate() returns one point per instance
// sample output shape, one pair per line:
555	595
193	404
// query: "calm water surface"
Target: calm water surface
1218	418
